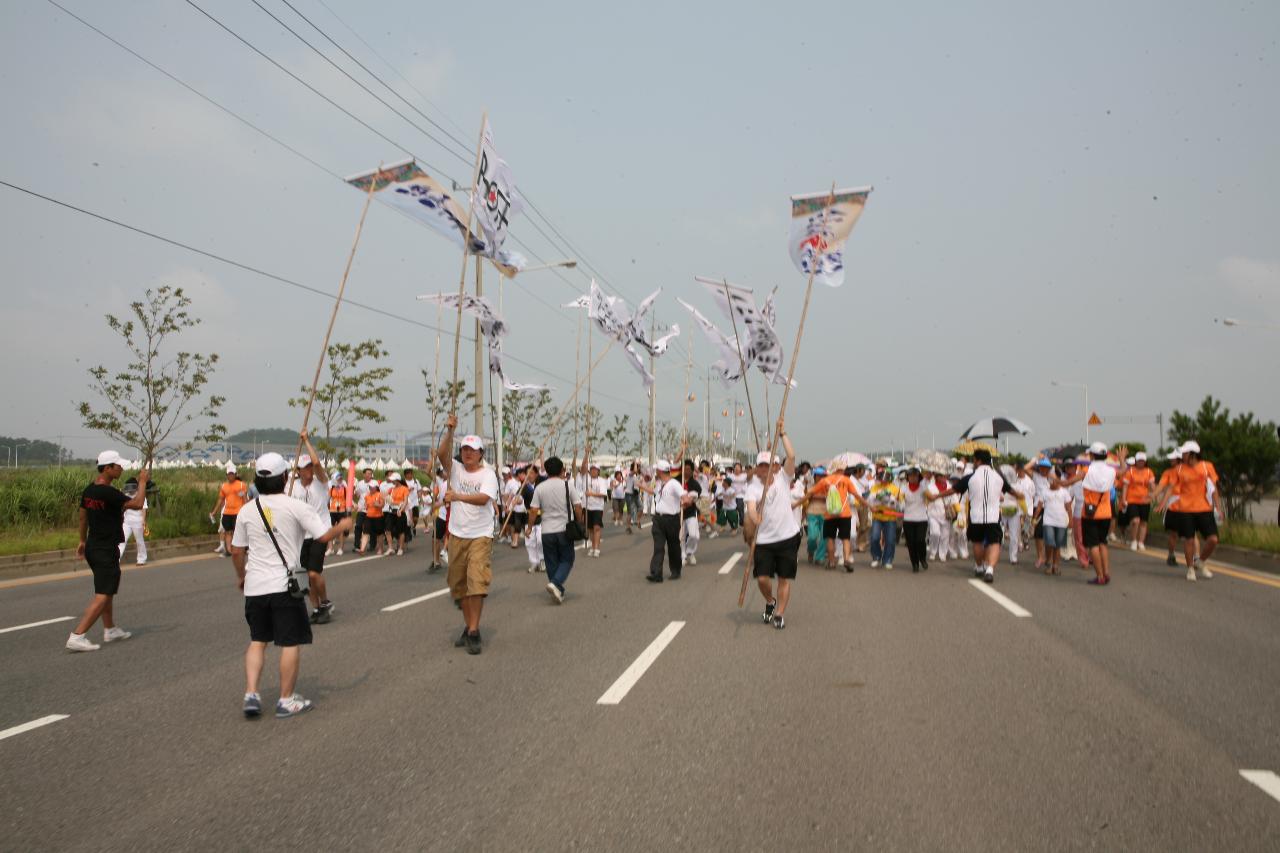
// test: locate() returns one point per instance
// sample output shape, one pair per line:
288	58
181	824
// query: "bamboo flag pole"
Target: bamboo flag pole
435	380
746	379
577	373
555	424
586	414
786	394
333	316
462	277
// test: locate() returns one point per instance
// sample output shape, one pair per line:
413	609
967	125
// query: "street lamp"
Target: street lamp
1084	388
1232	321
567	263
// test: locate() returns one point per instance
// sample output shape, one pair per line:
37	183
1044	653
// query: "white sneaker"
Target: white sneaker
291	706
338	552
1204	570
1133	546
989	575
117	633
693	560
888	567
1142	546
220	549
1191	575
399	552
555	593
875	564
81	643
542	565
713	534
1013	561
141	563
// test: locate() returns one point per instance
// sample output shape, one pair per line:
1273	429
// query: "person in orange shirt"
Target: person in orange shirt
232	495
337	512
839	526
398	515
1135	501
1195	490
375	523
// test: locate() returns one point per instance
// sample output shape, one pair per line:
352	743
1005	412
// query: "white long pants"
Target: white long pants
939	538
959	544
1013	535
134	529
533	545
691	536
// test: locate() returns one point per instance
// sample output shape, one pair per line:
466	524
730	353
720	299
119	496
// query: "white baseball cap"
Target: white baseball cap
110	457
1140	456
765	458
393	477
1190	447
1130	460
304	460
662	465
268	465
475	442
506	469
1175	454
1098	447
231	467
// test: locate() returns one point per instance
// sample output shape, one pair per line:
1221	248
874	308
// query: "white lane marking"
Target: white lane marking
628	679
34	724
36	624
730	563
1003	600
418	600
1264	779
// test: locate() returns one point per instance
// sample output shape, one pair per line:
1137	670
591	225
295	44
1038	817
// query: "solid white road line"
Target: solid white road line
730	563
418	600
1264	779
1003	600
34	724
356	560
36	624
628	679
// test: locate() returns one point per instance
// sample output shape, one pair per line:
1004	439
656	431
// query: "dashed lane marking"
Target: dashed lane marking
403	604
1264	779
730	563
34	724
36	624
1003	600
628	679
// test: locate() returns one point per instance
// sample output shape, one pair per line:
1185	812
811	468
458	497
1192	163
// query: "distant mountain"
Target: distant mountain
275	435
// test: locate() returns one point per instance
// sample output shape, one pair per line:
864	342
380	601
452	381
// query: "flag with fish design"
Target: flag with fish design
820	225
407	188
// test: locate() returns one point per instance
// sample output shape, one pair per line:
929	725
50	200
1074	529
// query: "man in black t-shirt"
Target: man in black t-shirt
102	508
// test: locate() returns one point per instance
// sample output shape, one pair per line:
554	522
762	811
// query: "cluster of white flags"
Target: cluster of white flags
611	316
755	332
492	328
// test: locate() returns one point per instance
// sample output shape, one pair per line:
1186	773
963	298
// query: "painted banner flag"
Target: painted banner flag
819	229
731	360
763	348
412	191
496	197
614	319
491	327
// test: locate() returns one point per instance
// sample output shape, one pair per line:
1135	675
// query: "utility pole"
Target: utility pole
479	373
706	427
653	396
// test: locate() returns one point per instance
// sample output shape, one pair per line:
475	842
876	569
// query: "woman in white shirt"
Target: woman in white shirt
915	520
1055	518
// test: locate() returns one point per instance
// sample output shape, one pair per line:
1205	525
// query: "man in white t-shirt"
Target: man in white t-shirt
513	505
311	486
774	528
472	497
274	614
597	492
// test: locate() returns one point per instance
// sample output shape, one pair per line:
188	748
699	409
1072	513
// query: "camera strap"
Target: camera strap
287	571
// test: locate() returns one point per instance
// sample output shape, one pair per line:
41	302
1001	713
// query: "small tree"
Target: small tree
592	421
616	435
343	401
1244	451
524	416
440	396
154	395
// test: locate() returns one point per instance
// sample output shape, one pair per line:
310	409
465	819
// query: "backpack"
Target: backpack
835	503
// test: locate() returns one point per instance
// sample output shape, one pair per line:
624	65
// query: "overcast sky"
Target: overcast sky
1067	192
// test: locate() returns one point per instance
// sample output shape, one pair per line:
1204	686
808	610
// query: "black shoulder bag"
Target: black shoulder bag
572	528
296	575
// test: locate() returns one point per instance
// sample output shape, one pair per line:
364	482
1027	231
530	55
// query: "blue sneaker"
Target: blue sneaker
252	705
292	706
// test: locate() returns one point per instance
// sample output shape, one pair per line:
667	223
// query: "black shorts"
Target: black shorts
1038	530
519	520
777	559
1142	512
311	557
441	527
277	618
228	523
335	517
375	526
397	525
1094	531
104	562
985	534
1191	523
595	518
836	528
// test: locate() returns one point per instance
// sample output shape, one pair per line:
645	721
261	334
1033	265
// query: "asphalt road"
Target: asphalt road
895	712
